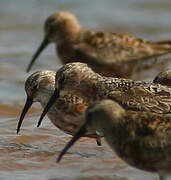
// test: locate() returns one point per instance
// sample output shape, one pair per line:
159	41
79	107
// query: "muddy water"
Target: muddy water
32	153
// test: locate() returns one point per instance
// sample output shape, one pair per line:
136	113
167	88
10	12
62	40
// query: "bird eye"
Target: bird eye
62	80
35	86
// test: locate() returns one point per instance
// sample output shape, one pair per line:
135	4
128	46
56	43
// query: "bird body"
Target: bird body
109	54
81	80
142	139
139	95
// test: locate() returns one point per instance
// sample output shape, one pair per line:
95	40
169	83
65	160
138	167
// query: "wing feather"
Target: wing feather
146	97
111	48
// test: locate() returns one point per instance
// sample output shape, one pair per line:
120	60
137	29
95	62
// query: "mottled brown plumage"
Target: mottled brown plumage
163	78
142	139
109	54
68	111
79	78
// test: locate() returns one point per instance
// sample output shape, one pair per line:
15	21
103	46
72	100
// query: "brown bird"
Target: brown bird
109	54
79	79
68	111
141	139
163	78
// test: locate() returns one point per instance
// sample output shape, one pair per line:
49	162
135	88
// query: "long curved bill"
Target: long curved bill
78	135
48	106
27	106
42	46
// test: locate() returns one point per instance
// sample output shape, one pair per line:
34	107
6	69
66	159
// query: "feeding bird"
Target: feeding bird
78	78
141	139
109	54
67	113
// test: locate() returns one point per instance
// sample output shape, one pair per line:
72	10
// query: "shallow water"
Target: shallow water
32	154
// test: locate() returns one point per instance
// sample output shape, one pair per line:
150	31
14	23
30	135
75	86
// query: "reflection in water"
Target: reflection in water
32	154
